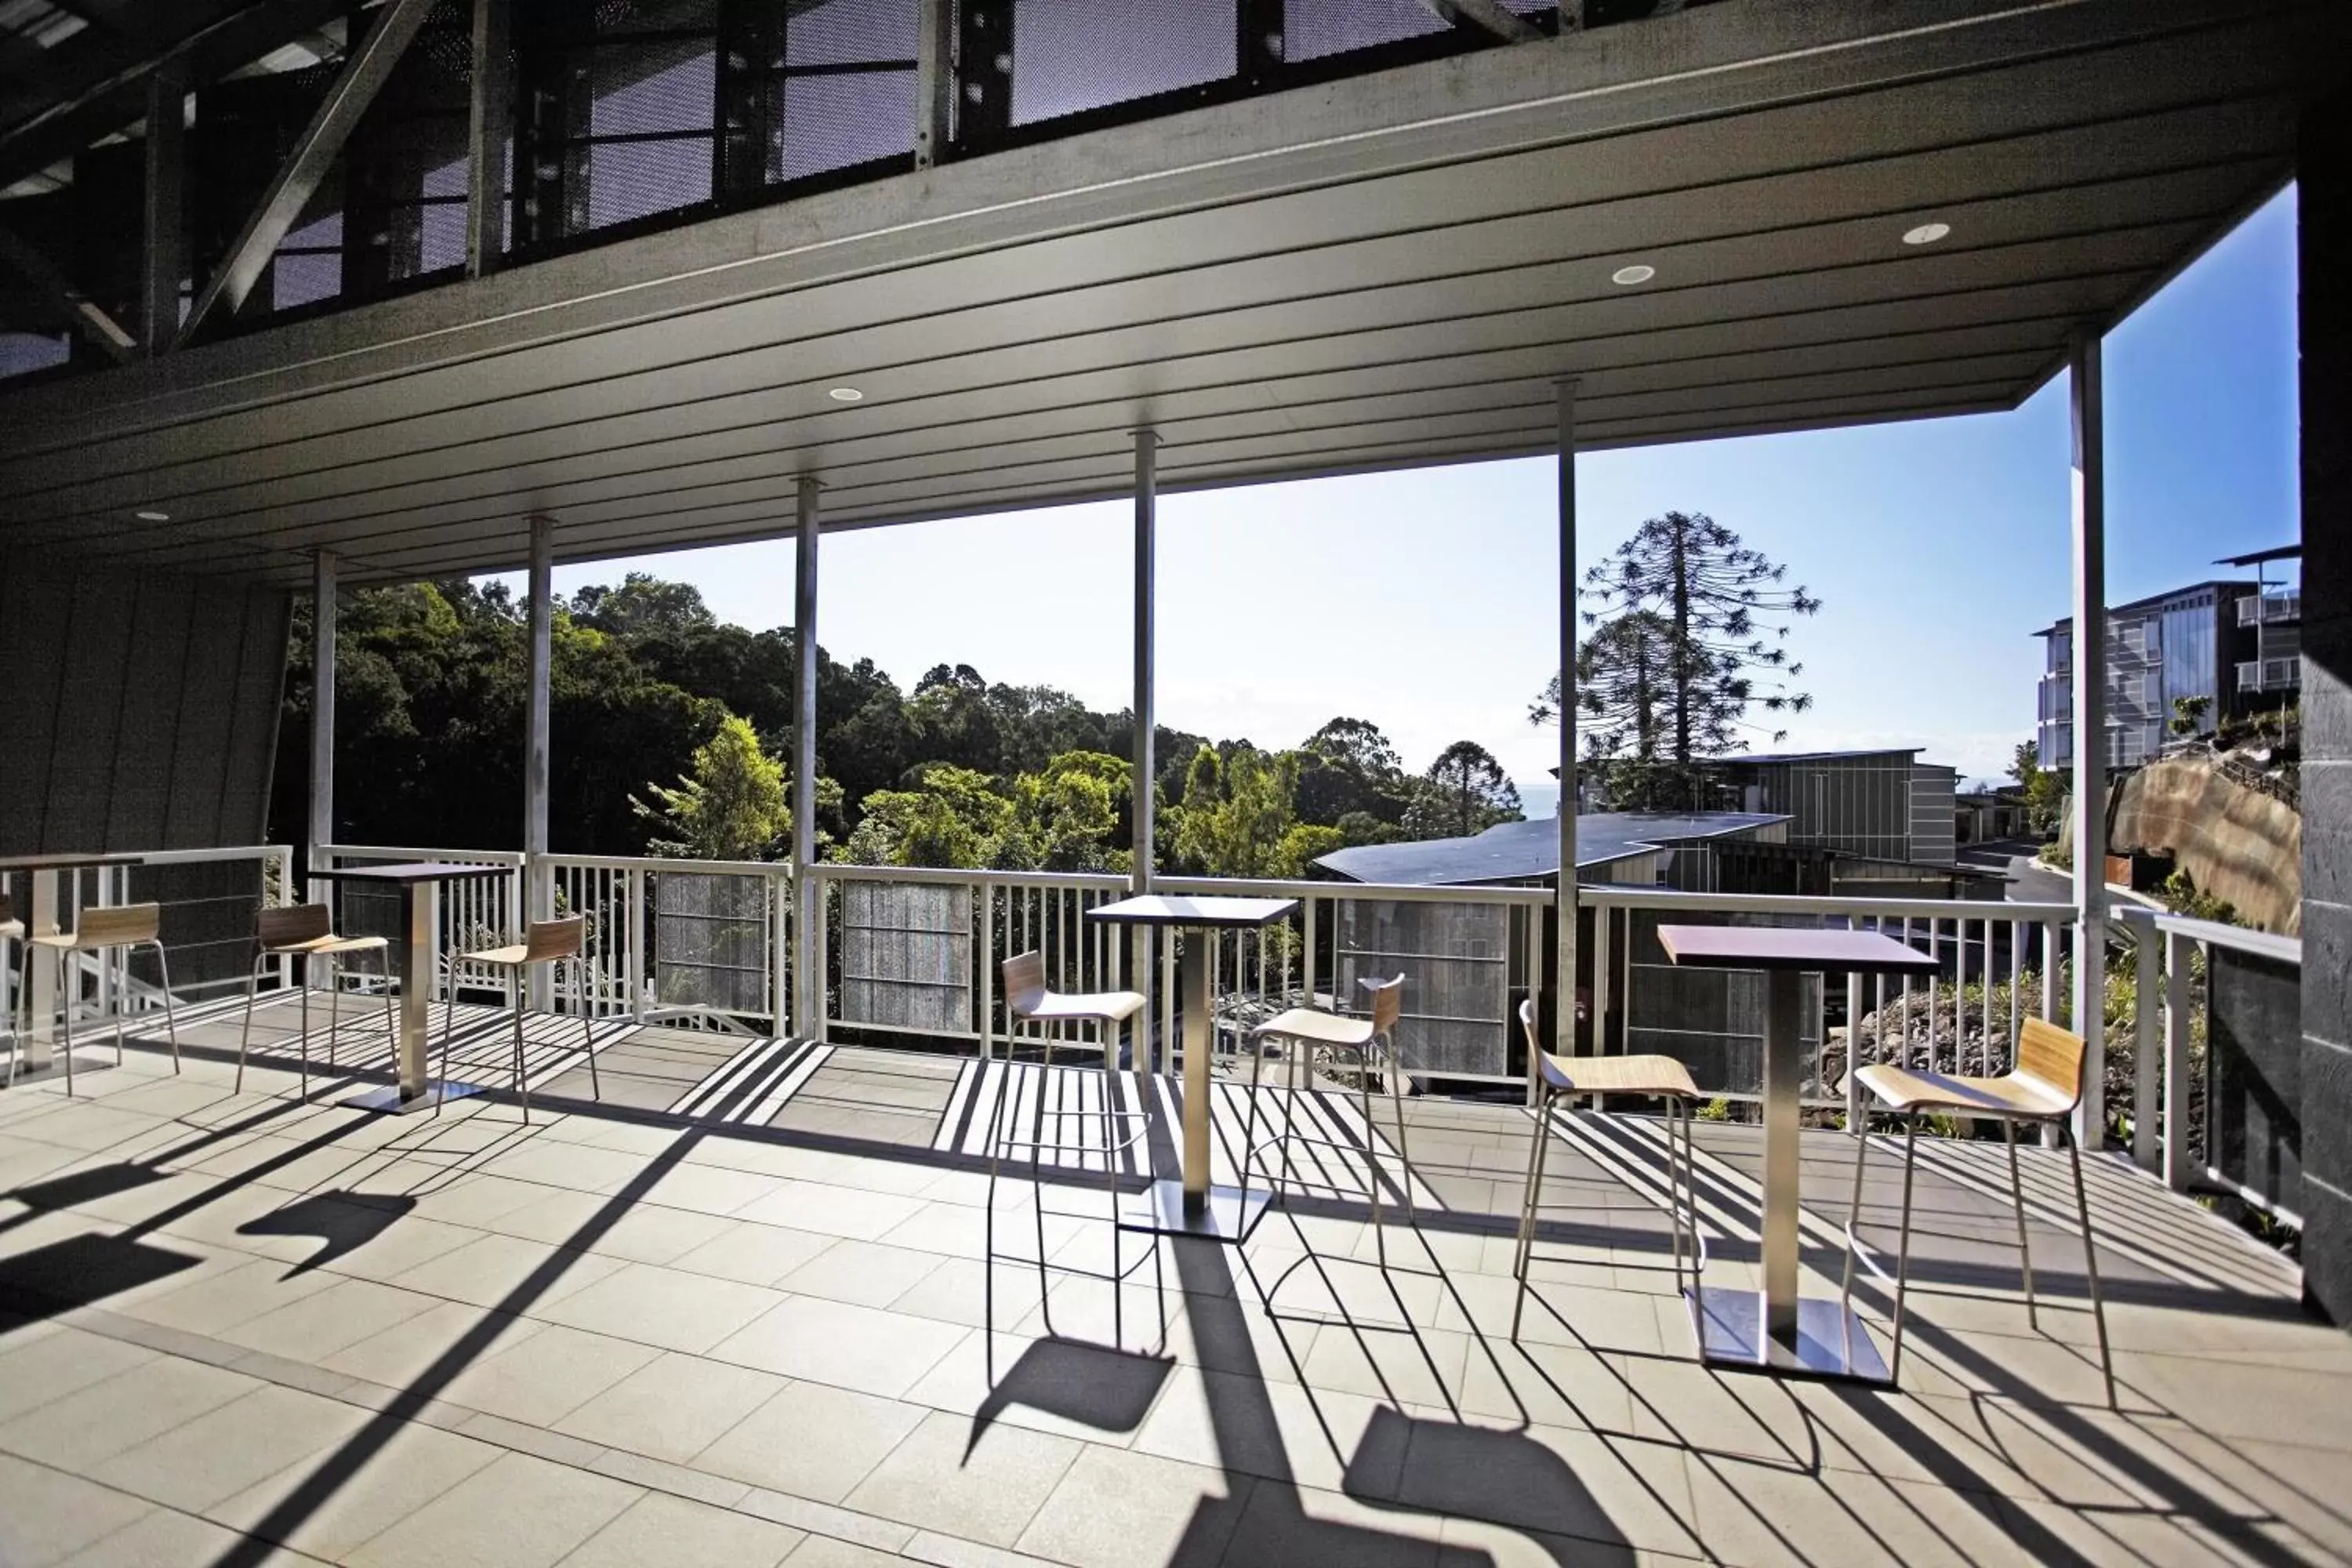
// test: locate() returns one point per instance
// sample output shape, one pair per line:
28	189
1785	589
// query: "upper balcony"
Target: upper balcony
2270	608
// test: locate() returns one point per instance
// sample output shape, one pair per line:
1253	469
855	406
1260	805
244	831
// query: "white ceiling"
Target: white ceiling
1387	272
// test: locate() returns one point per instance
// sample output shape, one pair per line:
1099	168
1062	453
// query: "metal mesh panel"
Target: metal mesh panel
626	180
1070	55
906	956
710	941
1455	959
1313	28
639	89
21	353
852	32
837	121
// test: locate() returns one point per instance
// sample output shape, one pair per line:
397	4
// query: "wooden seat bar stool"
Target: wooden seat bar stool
1647	1078
307	932
546	941
2041	1091
99	930
1028	1000
11	977
1366	1045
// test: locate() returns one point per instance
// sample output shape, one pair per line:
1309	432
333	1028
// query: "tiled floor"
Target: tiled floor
240	1329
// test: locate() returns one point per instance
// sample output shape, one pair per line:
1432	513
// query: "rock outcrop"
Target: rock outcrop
2237	844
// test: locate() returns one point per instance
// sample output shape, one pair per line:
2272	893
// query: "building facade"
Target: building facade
1878	805
2236	644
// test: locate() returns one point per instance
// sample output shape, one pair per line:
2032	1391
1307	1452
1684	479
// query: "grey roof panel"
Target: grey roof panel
1520	851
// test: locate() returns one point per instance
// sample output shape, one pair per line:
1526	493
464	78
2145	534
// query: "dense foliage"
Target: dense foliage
671	729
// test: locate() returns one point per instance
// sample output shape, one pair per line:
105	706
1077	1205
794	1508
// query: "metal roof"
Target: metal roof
1522	851
2260	557
1387	271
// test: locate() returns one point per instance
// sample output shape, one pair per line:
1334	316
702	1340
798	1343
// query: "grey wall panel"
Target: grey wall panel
143	710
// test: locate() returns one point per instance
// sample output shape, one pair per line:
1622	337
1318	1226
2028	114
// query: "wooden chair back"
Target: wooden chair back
551	940
2052	1058
1024	983
293	925
1388	1003
119	927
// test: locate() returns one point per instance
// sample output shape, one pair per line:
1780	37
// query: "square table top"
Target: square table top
69	862
1822	949
1193	912
410	871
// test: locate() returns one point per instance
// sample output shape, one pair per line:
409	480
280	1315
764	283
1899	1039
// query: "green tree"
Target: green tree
1345	768
1237	814
2045	788
2189	715
729	806
951	817
1465	791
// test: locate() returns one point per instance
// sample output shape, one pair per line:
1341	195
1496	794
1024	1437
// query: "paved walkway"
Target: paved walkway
237	1328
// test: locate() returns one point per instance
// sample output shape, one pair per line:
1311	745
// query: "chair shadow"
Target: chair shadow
81	1271
1094	1385
344	1221
1505	1478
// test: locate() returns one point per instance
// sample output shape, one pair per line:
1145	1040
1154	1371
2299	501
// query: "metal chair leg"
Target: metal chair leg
2017	1199
587	1028
390	1015
1372	1156
244	1038
1393	1071
1527	1261
1854	1219
15	1006
171	1012
2091	1266
448	1028
334	1007
1902	1261
522	1079
65	1005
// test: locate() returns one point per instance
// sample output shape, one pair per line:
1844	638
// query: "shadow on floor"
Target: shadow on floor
1095	1385
343	1221
81	1271
1481	1472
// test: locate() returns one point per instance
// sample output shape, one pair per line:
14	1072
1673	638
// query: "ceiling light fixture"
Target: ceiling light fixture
153	516
1640	272
846	394
1926	234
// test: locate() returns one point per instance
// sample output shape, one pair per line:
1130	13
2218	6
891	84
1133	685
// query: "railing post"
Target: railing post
1564	1005
633	915
536	887
2151	1112
808	894
1141	790
1854	1117
985	959
2177	1168
784	937
2090	802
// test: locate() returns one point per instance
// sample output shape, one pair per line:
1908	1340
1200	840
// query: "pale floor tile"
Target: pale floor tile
168	1539
396	1478
1115	1509
216	1303
317	1326
643	1233
405	1244
1274	1430
985	1489
709	1190
99	1420
953	1293
754	1253
429	1342
673	1407
547	1376
850	1347
58	1363
838	1211
518	1512
508	1273
46	1515
220	1454
665	1307
864	1272
824	1551
676	1534
771	1446
574	1165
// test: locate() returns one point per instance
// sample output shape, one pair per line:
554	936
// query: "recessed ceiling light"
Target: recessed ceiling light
1926	234
846	394
154	516
1640	272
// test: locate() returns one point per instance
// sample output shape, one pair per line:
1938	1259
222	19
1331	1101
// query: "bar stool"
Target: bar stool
1650	1078
307	932
10	930
2041	1091
547	942
1029	1001
1363	1044
99	930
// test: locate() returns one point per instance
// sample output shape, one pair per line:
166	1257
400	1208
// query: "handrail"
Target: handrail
1264	888
2261	943
206	857
513	858
672	863
1088	881
1812	904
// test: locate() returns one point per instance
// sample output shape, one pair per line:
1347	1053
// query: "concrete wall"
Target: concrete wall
2323	168
2236	844
141	709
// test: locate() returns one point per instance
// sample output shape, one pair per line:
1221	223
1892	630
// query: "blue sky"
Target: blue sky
1426	601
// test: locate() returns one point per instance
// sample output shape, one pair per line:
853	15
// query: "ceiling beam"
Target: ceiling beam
57	291
1507	26
364	72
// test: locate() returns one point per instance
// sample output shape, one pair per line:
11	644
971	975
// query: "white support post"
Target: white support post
2176	1169
538	877
323	706
808	977
1145	806
2089	803
1564	1004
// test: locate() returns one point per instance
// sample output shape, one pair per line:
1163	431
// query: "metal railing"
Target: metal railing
2217	1046
704	943
1964	1019
2270	674
2254	609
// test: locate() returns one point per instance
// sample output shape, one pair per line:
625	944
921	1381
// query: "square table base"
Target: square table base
1230	1215
1731	1335
392	1102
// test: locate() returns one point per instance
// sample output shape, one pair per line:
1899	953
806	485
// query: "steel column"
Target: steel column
1564	1000
166	255
2176	1169
2090	804
1146	803
537	877
808	978
935	79
492	124
322	705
